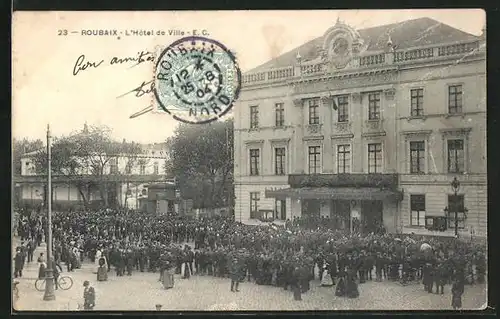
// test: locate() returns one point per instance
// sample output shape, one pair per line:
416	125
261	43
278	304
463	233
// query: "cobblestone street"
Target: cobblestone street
142	291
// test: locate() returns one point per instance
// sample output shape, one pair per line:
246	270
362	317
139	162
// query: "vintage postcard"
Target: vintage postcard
249	160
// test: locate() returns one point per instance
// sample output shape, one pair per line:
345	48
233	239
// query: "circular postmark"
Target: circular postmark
197	80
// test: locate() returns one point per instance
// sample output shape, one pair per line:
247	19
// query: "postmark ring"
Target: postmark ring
197	80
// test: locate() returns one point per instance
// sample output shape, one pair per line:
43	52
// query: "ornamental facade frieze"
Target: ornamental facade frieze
346	81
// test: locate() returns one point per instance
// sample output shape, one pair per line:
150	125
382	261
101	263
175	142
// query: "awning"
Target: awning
350	193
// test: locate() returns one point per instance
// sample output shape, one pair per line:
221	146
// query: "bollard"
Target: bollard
158	307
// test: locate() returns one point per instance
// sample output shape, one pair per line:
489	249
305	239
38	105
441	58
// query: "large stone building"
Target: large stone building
372	124
126	175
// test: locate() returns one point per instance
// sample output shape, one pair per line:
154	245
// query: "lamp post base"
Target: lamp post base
49	287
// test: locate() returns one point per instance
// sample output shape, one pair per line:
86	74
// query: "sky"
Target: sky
45	91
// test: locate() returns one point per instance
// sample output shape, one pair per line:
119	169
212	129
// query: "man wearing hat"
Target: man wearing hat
188	258
88	296
18	263
235	274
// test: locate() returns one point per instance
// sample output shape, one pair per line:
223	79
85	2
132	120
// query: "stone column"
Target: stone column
327	103
389	124
356	117
297	144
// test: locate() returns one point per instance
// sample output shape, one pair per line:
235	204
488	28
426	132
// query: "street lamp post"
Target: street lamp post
455	186
49	278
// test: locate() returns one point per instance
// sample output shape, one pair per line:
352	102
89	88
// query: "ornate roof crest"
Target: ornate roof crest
340	43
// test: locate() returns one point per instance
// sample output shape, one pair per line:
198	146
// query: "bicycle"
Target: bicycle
64	282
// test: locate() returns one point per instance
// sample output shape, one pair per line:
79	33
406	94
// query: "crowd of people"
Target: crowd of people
287	256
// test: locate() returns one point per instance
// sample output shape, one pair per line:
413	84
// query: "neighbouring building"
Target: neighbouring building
127	176
371	124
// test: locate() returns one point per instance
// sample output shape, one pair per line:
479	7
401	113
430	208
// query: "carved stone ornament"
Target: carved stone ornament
314	128
323	54
343	126
456	132
340	52
374	124
389	93
423	134
326	100
356	97
298	102
354	82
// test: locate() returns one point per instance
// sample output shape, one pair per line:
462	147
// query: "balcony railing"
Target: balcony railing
368	60
389	181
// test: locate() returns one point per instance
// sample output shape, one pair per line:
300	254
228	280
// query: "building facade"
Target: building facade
126	175
367	125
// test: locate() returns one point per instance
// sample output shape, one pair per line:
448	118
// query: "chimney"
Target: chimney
85	128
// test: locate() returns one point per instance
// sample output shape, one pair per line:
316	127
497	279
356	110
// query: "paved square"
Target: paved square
142	291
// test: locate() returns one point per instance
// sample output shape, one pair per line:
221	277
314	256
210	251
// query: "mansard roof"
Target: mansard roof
406	34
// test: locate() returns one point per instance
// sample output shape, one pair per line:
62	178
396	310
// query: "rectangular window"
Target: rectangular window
313	111
456	156
343	159
142	169
280	209
114	166
374	106
279	158
375	158
417	210
254	116
280	114
456	206
128	168
254	161
155	168
254	205
417	102
417	157
314	159
343	109
455	99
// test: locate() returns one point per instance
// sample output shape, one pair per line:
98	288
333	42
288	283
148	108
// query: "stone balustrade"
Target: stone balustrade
280	73
374	59
365	61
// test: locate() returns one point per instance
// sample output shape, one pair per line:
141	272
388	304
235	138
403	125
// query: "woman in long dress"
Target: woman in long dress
351	285
340	290
168	276
98	255
274	278
102	271
76	254
326	279
41	270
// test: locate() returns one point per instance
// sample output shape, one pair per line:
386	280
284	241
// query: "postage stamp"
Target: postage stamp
197	80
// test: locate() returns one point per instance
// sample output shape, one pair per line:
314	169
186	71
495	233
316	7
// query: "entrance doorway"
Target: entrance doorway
112	194
340	212
372	212
311	208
